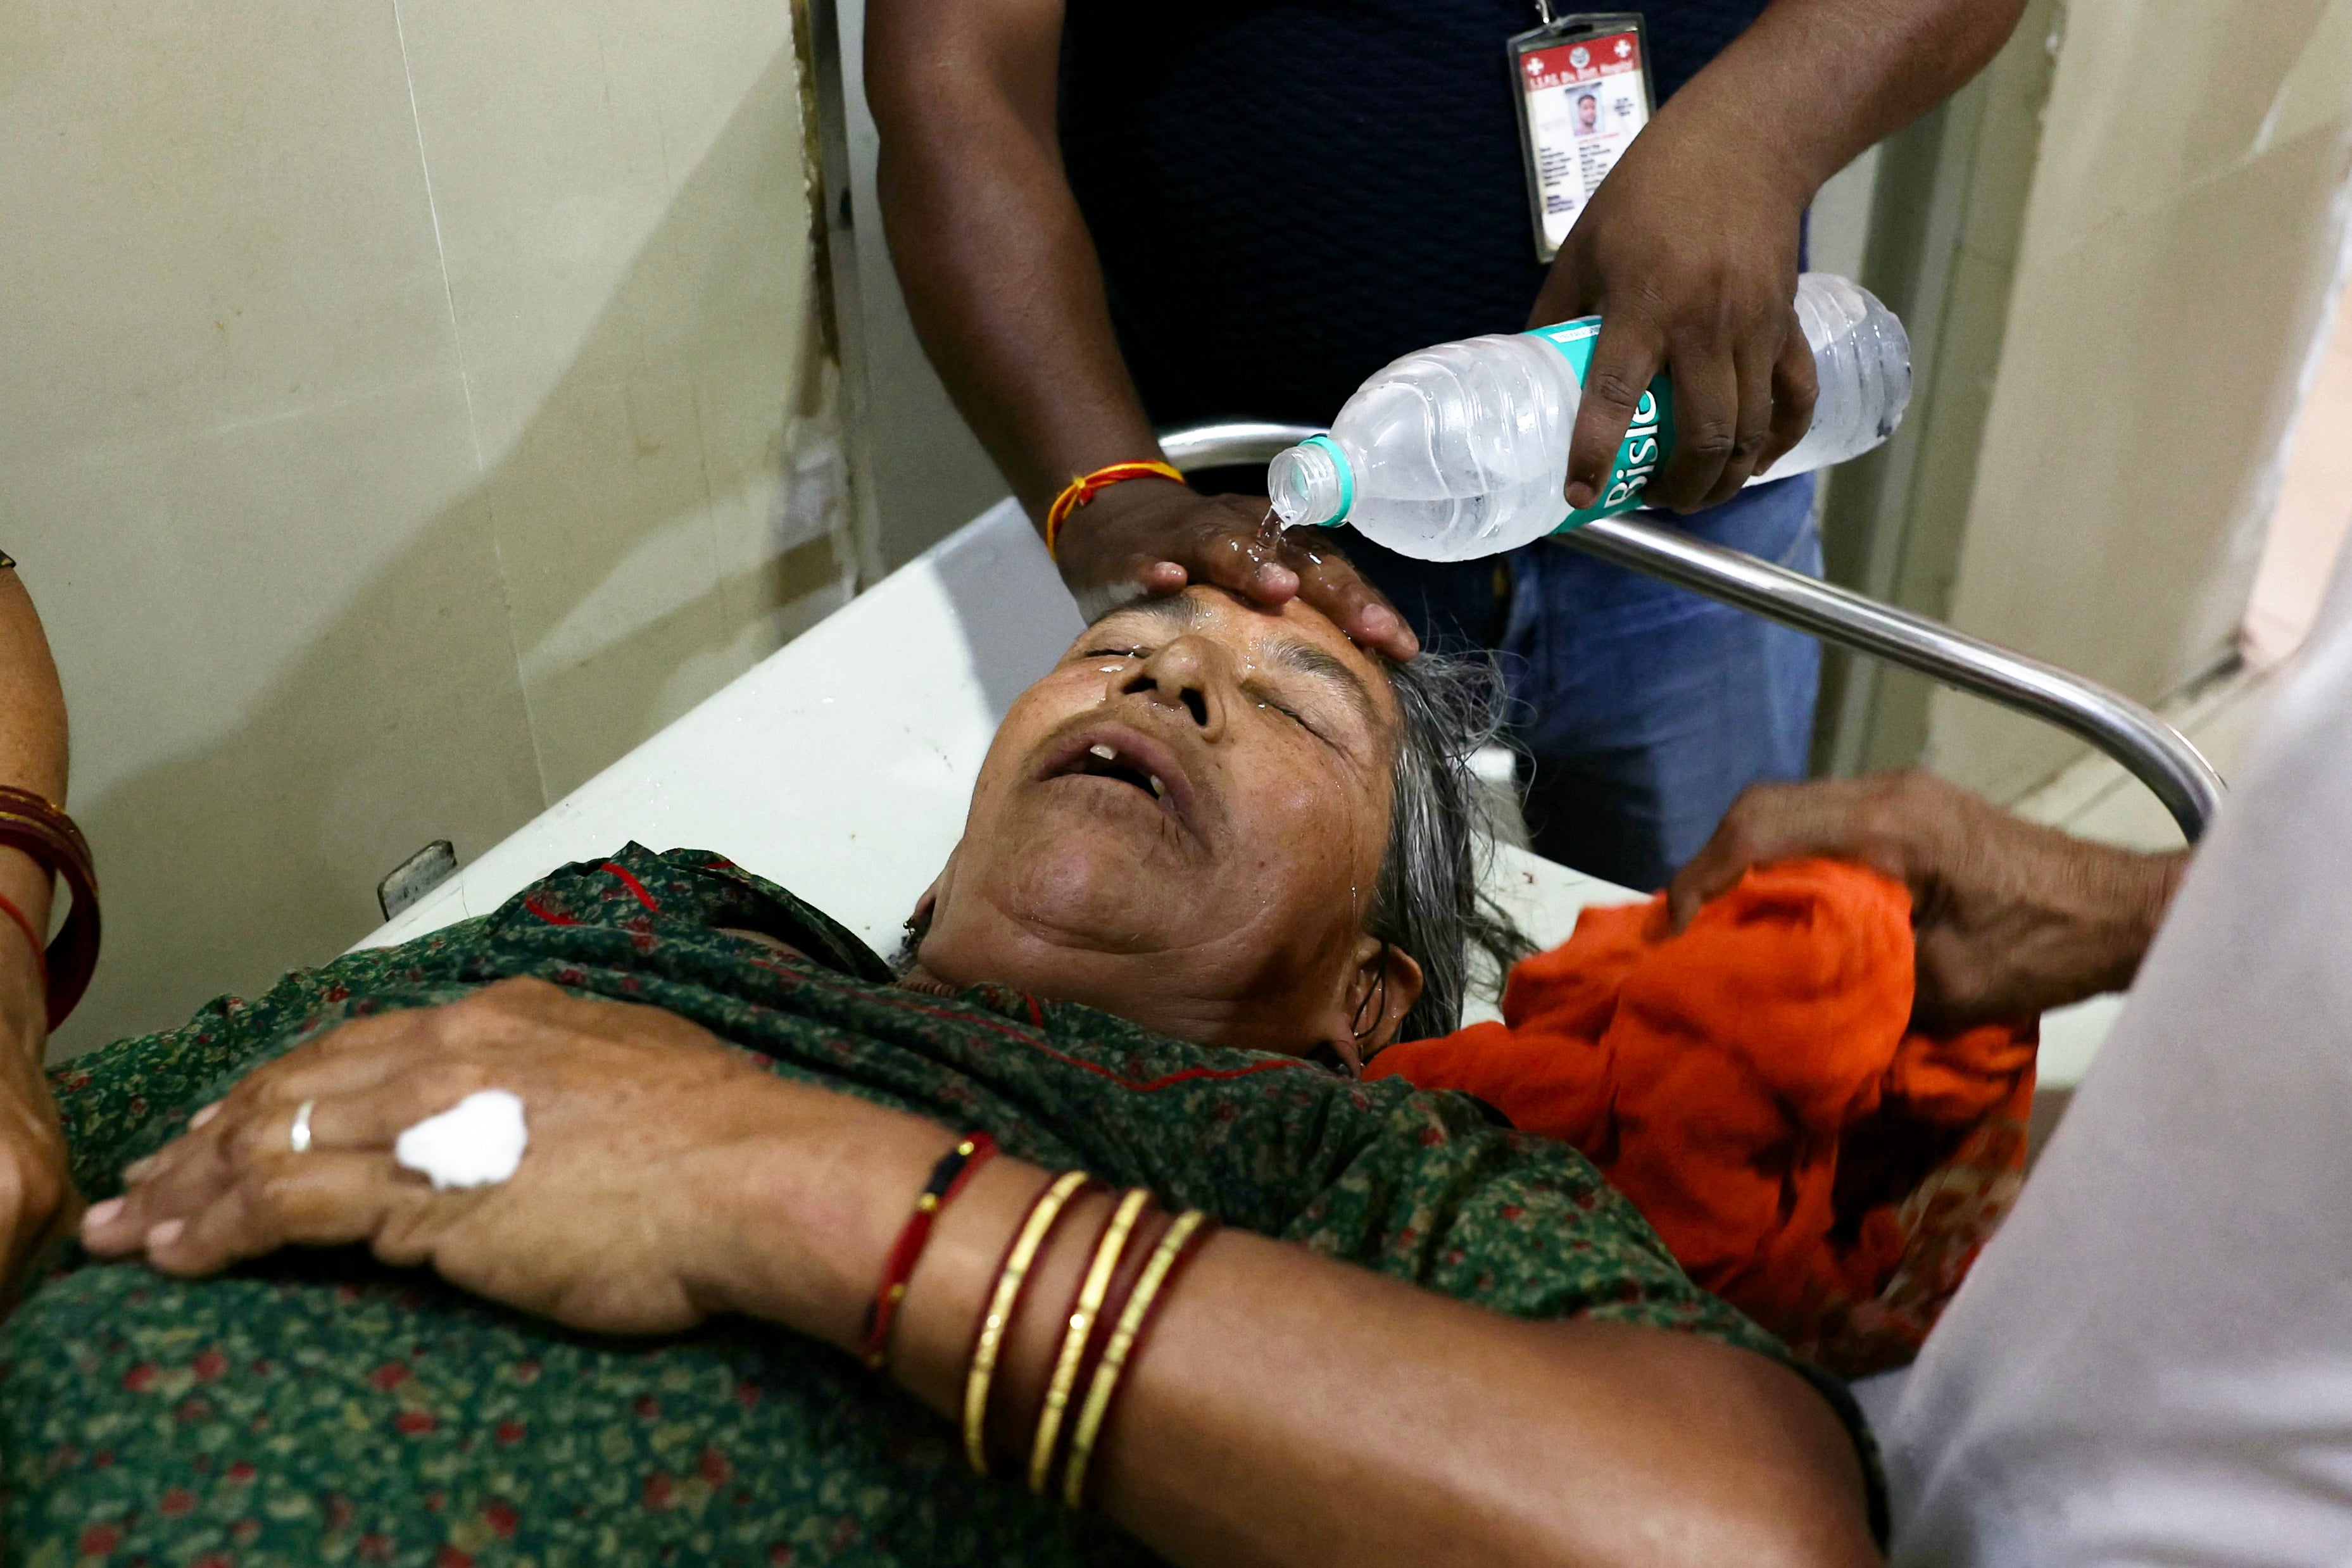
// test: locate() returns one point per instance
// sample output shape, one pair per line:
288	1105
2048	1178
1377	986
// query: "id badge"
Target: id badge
1583	86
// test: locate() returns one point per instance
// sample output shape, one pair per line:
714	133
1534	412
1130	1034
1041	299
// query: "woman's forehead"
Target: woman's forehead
1293	636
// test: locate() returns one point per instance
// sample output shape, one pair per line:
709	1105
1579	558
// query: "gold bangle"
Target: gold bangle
999	1317
1081	1329
1114	1357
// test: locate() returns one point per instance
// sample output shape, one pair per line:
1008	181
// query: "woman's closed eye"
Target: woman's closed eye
1256	690
1267	699
1286	712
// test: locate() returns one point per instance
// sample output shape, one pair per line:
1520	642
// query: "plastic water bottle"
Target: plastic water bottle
1461	451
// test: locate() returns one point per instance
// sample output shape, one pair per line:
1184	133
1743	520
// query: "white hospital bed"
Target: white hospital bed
840	767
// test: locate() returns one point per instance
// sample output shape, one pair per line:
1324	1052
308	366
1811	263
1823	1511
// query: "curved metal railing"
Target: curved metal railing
2153	752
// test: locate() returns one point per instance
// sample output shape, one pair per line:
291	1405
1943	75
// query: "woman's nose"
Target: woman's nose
1187	675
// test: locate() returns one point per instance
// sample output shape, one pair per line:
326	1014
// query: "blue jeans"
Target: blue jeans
1643	709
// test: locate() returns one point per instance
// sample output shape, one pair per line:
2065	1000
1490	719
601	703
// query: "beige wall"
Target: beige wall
2313	514
2181	236
409	405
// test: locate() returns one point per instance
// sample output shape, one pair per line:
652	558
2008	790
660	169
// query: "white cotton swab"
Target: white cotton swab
477	1142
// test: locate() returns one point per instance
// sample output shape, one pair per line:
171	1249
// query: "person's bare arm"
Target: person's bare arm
1006	293
1688	251
33	1186
1296	1411
2011	918
1287	1409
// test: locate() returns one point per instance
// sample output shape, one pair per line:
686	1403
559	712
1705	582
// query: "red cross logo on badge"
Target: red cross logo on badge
1625	47
1534	66
1579	56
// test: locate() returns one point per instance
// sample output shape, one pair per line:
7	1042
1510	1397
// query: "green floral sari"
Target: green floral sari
318	1408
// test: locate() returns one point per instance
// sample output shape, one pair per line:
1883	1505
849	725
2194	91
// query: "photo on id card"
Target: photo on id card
1583	85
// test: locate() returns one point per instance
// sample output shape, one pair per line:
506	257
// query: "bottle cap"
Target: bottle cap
1310	484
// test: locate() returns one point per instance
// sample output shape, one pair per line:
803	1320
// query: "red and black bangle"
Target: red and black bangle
30	823
956	1167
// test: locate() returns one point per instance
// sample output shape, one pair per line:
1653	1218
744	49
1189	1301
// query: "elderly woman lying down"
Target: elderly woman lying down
758	1294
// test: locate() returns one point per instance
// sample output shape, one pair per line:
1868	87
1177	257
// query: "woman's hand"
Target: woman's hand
668	1176
1156	537
2011	917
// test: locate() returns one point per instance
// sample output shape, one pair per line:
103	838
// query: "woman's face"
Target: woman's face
1182	823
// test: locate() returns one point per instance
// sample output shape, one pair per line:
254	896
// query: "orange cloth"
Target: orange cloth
1753	1084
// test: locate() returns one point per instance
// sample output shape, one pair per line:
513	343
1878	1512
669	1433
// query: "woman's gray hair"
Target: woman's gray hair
1430	899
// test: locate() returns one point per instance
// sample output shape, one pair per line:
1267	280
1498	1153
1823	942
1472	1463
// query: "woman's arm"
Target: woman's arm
1294	1410
1287	1409
31	757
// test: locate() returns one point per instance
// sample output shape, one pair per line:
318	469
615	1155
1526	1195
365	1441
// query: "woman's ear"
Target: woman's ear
919	925
1382	987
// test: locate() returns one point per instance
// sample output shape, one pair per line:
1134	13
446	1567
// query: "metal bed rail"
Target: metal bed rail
2151	750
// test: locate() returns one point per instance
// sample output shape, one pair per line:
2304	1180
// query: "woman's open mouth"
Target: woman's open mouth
1130	757
1104	760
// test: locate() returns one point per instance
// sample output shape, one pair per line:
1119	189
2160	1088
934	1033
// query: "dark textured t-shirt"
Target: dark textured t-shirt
1286	196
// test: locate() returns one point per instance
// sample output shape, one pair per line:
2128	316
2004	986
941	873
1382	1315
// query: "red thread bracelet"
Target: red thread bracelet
1083	487
956	1167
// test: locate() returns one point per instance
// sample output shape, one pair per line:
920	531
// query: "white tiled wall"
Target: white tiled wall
407	407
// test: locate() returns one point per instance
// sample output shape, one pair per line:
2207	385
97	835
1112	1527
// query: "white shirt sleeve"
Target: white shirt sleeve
2152	1362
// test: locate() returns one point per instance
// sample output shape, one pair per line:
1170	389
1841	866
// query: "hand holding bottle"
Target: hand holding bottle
1688	255
1458	451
